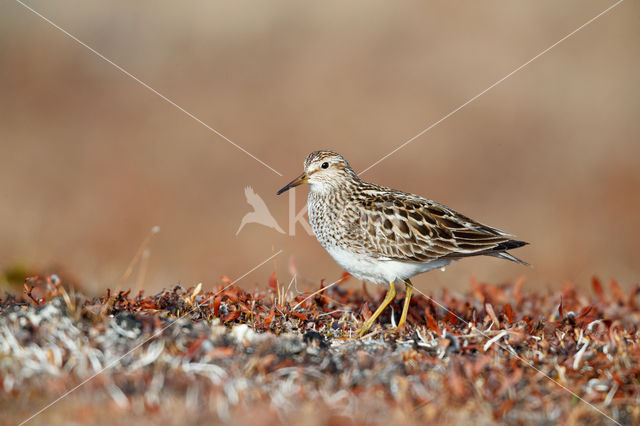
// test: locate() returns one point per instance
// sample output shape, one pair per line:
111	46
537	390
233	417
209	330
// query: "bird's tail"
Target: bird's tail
500	251
505	255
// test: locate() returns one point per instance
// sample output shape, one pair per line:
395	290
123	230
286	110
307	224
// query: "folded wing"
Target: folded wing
405	227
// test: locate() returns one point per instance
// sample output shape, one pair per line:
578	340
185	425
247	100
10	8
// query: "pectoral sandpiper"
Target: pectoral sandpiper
382	235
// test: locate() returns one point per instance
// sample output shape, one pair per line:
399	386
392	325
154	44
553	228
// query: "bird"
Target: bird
260	213
386	236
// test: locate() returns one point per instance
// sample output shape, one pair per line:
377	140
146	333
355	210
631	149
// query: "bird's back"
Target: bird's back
386	224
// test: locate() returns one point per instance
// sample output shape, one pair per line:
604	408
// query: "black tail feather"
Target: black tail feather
501	251
508	245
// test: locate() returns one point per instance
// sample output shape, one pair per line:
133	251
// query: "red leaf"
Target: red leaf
344	277
231	316
560	310
365	311
509	312
597	288
632	297
273	281
451	318
300	316
585	311
431	322
216	306
269	318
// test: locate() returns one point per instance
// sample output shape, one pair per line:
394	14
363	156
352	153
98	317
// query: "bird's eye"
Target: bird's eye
325	165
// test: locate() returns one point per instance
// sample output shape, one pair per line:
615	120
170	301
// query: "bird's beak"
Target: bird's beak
303	178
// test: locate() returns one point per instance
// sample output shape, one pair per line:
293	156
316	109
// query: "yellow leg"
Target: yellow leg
407	297
391	294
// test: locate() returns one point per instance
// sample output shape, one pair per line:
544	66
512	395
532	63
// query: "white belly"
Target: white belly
380	271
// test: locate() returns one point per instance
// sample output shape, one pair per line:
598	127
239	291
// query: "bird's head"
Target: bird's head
323	171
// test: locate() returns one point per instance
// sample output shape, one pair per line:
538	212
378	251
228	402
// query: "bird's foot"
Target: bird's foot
365	328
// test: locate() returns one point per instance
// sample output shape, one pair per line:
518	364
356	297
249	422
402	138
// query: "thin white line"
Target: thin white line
238	279
153	336
492	86
318	292
127	73
526	362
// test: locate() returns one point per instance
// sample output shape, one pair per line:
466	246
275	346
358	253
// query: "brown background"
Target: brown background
91	160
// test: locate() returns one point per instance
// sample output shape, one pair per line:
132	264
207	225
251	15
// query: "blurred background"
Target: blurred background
90	160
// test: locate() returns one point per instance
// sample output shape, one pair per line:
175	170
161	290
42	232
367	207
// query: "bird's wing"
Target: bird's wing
405	227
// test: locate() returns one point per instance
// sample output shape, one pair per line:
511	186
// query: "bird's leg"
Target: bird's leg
407	297
391	294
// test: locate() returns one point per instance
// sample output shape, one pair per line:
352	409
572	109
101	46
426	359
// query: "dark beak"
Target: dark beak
303	178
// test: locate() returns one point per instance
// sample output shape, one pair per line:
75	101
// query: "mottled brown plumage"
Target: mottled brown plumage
384	235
